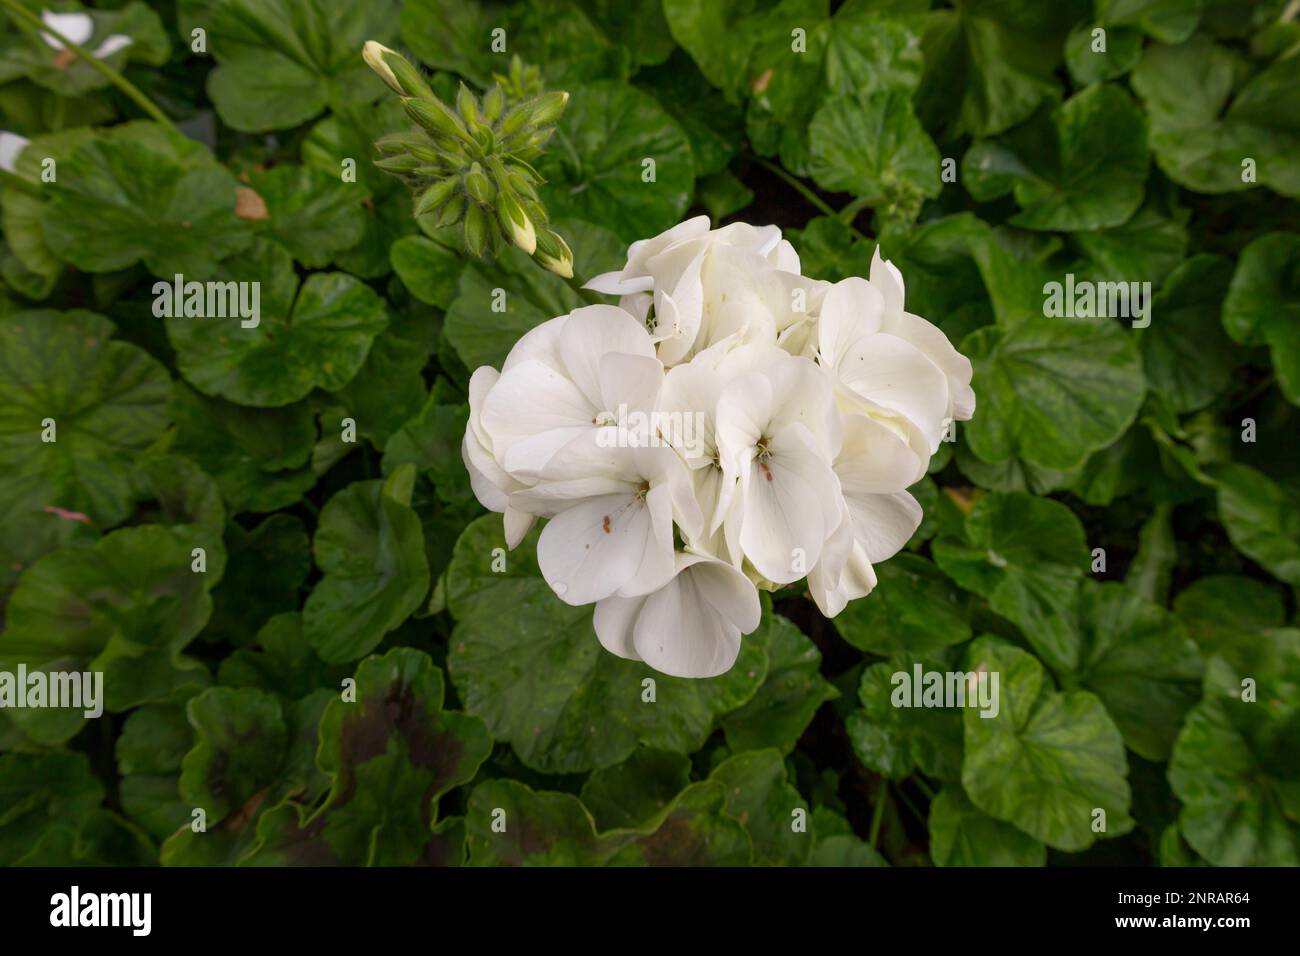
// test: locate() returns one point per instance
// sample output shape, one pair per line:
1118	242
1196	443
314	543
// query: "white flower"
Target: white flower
614	509
78	28
731	425
11	144
778	433
691	627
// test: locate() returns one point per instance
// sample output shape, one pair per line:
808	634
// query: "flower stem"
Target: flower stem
18	11
795	183
924	787
878	814
850	212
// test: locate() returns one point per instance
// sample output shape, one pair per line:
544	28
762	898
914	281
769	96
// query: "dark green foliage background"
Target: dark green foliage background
1173	448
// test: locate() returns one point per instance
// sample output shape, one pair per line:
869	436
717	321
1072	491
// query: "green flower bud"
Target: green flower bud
398	165
395	70
434	116
478	185
515	223
452	212
494	103
436	195
468	108
476	230
548	108
554	253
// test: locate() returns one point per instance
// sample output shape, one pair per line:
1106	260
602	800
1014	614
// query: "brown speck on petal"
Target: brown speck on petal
64	59
249	205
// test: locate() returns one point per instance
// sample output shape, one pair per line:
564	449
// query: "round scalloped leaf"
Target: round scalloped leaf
295	339
915	607
1052	390
370	547
1047	761
107	401
281	62
961	834
141	193
1026	555
1263	304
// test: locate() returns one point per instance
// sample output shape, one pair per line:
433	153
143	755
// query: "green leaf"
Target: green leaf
1052	391
596	165
371	549
431	441
1083	167
714	126
282	662
1185	354
895	736
1138	659
761	798
629	794
23	53
875	148
554	829
542	681
915	608
126	606
1048	760
257	456
1205	126
1223	612
342	146
1262	519
1027	556
963	835
265	568
106	400
308	336
313	214
1169	21
1236	771
281	62
532	295
429	269
43	796
777	715
241	738
1121	48
390	754
1263	304
154	741
983	75
141	193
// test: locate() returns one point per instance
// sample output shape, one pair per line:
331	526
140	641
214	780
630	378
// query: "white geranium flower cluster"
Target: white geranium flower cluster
730	425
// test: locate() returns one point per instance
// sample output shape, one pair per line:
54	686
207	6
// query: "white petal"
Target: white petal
112	45
897	376
850	310
886	278
540	343
629	383
529	400
76	27
593	332
11	144
589	551
614	621
874	459
618	283
517	524
693	625
882	524
931	340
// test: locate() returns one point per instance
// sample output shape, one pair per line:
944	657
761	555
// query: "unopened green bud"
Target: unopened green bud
373	54
516	119
554	253
434	116
467	106
476	230
478	185
398	165
452	212
515	223
549	107
435	196
494	103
